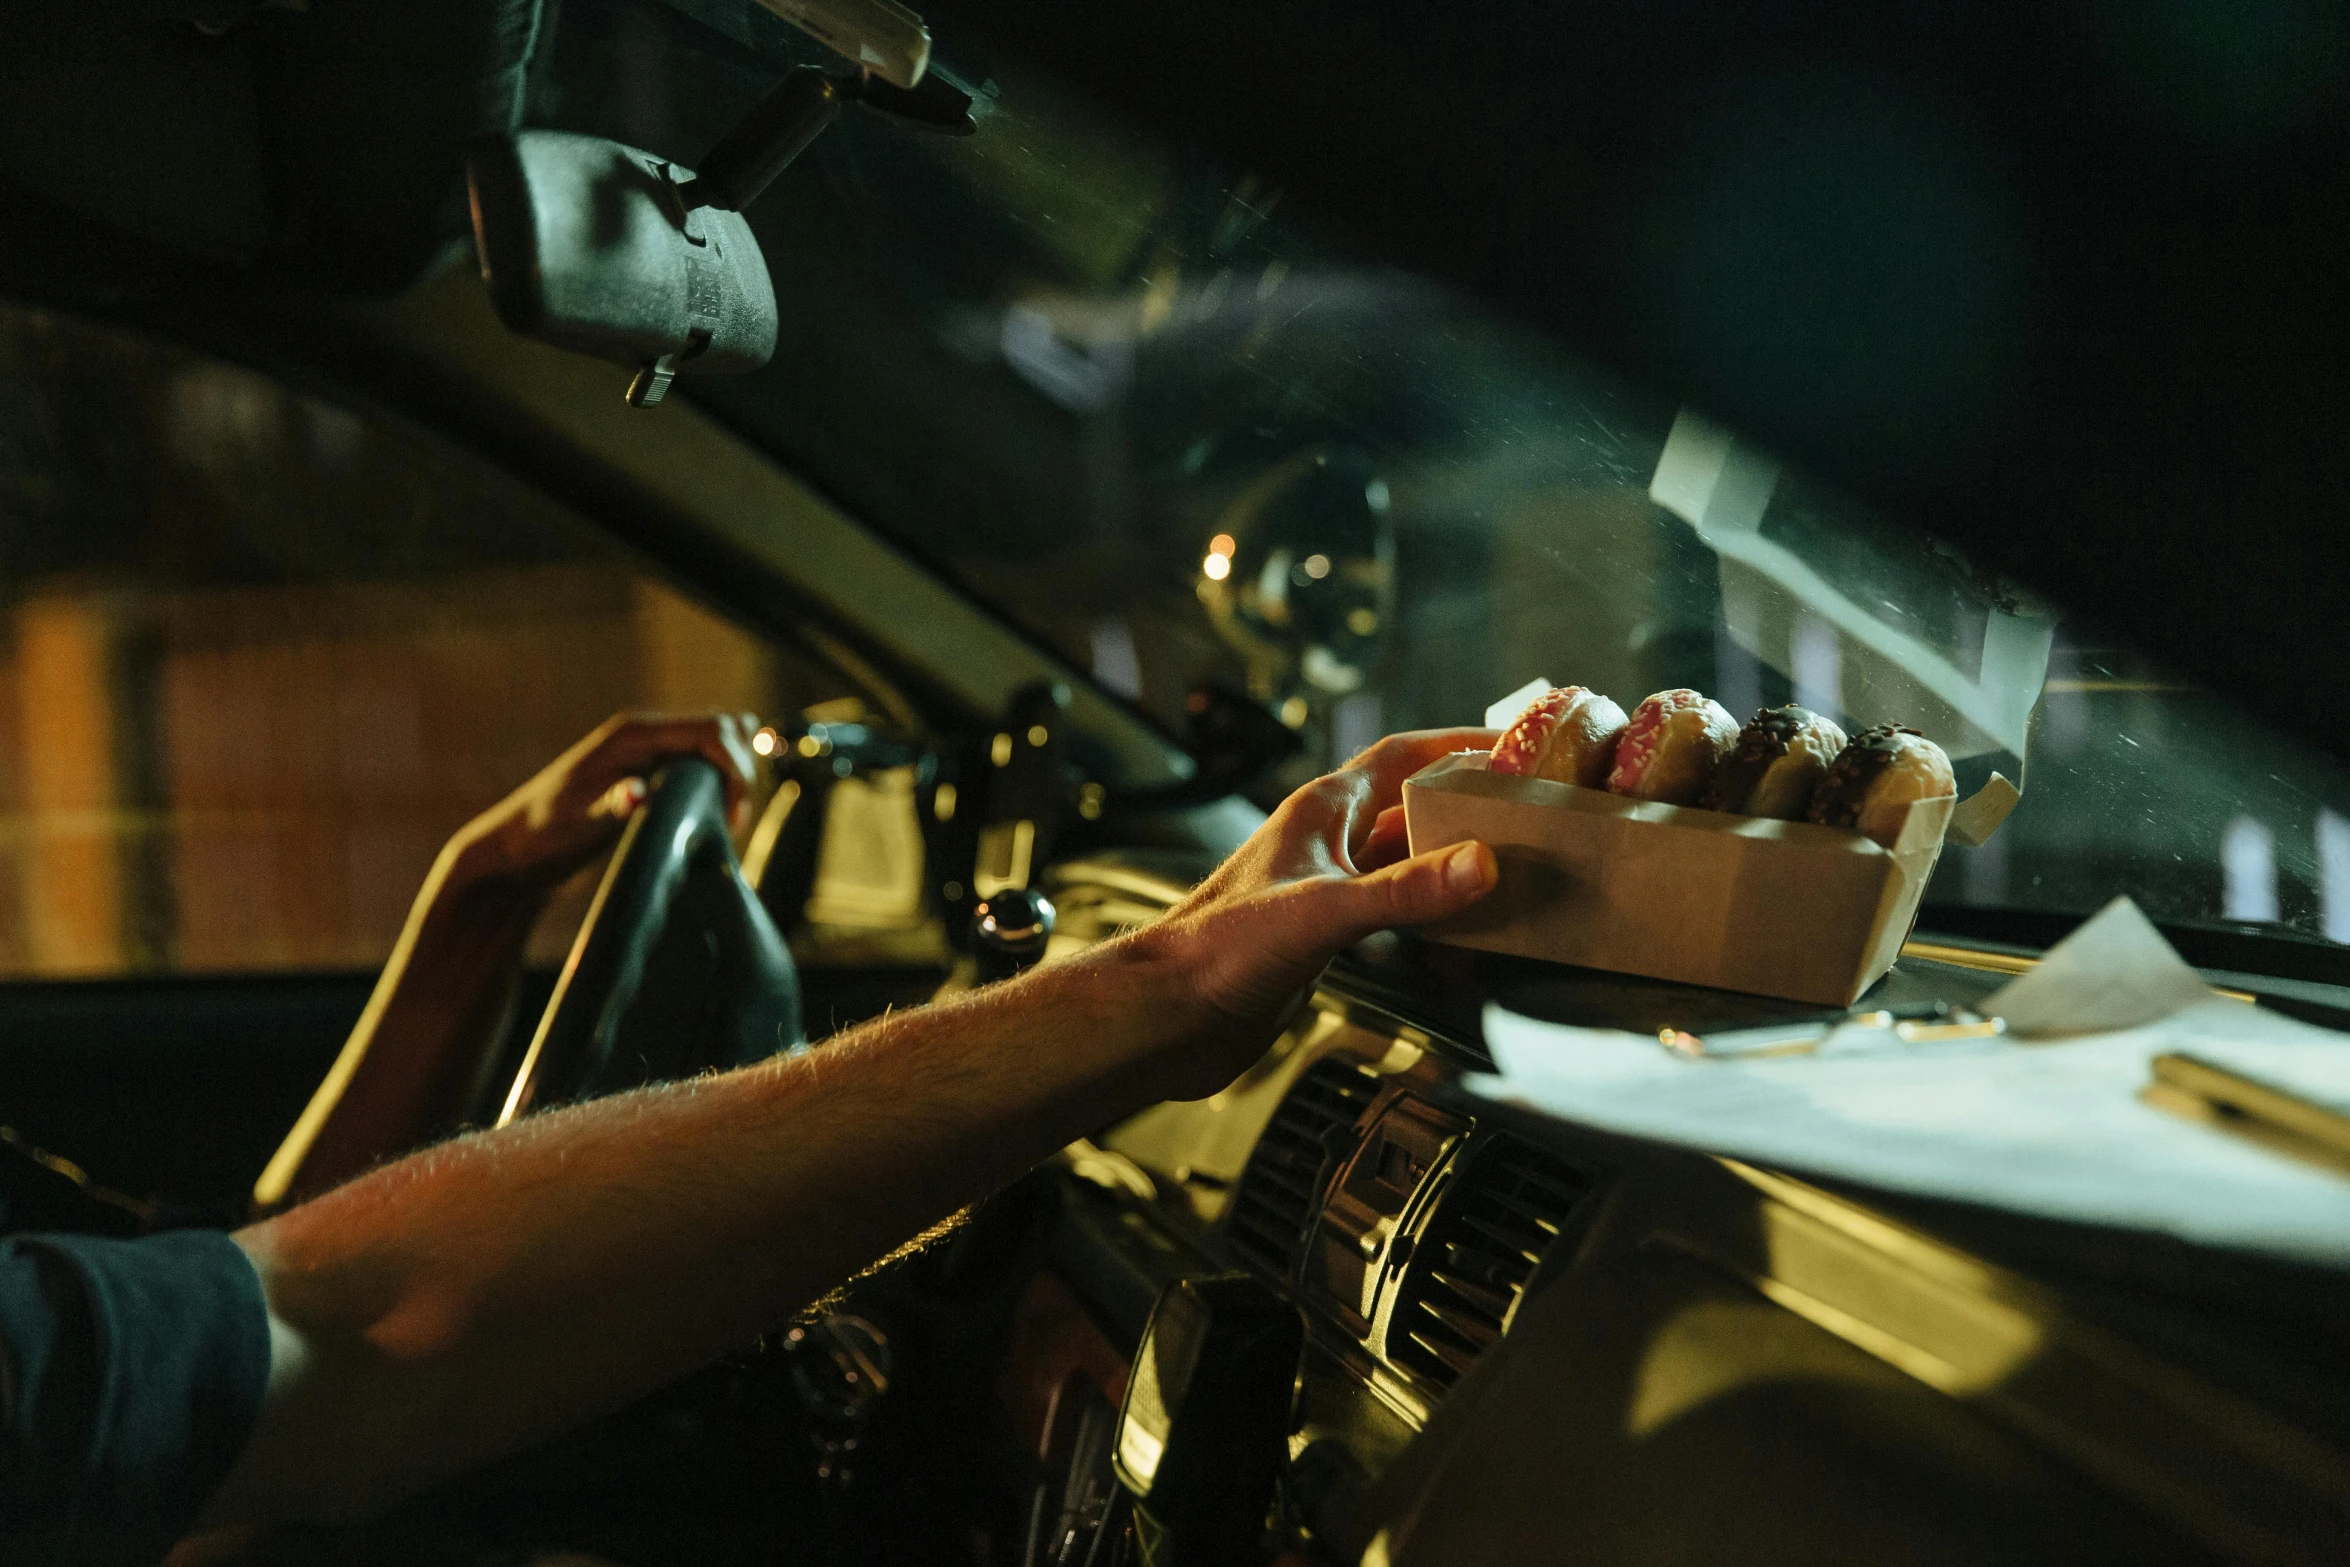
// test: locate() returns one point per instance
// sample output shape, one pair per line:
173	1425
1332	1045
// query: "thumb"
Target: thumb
1417	891
1271	943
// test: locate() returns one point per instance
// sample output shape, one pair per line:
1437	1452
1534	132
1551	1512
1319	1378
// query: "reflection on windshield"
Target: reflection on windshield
1128	399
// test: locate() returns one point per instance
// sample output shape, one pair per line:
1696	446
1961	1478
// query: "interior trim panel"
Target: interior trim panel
1512	1317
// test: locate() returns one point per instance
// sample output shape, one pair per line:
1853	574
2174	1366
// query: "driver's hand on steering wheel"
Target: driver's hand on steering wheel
575	806
439	1005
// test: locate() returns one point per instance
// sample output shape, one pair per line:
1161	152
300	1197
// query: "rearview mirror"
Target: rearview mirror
594	247
610	251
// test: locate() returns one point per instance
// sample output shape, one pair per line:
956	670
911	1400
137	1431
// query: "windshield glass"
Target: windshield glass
1132	401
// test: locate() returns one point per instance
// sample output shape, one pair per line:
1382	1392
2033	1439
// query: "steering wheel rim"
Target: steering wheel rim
678	834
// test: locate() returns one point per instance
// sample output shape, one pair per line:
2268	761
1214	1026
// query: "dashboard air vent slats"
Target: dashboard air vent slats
1275	1199
1470	1268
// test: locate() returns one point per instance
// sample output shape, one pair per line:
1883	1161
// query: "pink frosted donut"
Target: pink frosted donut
1671	747
1568	736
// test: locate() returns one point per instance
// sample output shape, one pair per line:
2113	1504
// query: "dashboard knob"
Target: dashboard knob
841	1366
1009	932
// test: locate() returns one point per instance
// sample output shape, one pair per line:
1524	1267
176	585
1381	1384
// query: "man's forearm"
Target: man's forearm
463	1302
468	1300
404	1073
417	1046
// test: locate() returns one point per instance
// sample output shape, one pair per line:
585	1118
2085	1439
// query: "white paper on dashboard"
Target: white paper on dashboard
2053	1129
2114	971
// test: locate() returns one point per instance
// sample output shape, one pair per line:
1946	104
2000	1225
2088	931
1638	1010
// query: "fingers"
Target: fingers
1389	841
1385	766
1311	920
642	742
1397	757
620	802
1248	956
1415	891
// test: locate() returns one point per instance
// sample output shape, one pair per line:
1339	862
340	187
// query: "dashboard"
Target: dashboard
1520	1339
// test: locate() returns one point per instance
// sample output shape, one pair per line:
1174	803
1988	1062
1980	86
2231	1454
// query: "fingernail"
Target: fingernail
1470	868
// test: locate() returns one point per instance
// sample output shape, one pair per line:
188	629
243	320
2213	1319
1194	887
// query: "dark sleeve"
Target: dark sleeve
131	1372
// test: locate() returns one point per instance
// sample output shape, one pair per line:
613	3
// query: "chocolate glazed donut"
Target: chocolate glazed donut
1877	778
1780	757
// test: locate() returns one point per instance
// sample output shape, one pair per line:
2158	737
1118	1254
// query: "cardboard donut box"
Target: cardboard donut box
1776	908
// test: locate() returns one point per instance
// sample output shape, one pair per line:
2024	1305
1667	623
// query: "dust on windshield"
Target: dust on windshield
1135	403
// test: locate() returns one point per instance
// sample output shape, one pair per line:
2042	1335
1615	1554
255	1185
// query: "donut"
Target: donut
1671	747
1780	756
1876	779
1568	736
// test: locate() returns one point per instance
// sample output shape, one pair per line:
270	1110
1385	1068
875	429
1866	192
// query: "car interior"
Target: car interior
1071	432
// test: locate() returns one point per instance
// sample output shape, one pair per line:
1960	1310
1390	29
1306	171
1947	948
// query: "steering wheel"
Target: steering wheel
677	969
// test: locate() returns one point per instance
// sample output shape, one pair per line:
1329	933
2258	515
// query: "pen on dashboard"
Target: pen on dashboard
1911	1023
2275	1117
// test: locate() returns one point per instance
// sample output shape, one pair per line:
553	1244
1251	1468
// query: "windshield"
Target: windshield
1134	403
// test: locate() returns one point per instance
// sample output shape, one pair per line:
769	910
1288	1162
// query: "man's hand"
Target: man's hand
414	1056
462	1302
1325	870
572	810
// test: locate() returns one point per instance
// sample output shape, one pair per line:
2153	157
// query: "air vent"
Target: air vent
1275	1199
1471	1267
